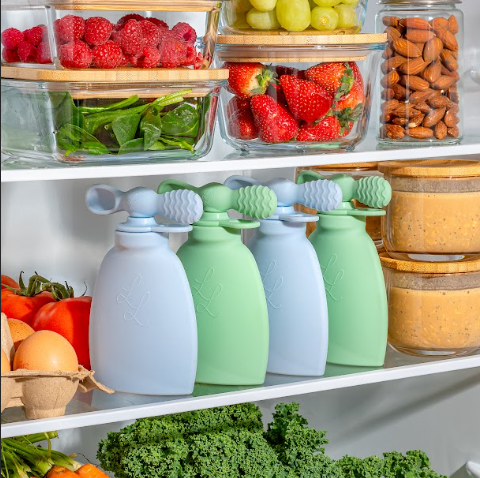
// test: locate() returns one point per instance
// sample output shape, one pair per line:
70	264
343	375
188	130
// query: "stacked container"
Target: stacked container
95	81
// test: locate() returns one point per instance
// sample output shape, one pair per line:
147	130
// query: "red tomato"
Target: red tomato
21	307
69	318
10	282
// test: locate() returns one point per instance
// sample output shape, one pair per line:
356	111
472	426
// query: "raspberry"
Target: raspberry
133	60
69	28
150	57
160	23
191	56
44	55
10	56
172	52
75	55
185	32
108	56
97	31
130	16
199	62
125	60
11	38
131	38
151	33
35	35
27	53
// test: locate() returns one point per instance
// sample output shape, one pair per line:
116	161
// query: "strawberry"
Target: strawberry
287	70
327	129
248	79
335	76
241	124
352	99
274	122
236	104
307	100
275	91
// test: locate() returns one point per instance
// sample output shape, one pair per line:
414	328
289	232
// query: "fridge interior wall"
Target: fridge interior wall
47	228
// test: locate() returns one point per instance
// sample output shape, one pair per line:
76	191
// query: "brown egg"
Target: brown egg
5	363
46	351
19	330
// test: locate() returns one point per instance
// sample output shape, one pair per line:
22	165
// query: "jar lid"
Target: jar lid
123	75
371	166
471	264
419	2
432	168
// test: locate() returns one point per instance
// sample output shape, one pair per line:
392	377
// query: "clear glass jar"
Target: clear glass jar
420	80
306	17
91	33
433	308
357	171
299	93
99	117
434	213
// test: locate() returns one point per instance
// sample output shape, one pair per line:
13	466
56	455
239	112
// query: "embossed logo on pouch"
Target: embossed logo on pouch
205	300
134	307
332	277
271	284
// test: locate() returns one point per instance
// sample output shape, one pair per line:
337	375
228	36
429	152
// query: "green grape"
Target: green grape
240	21
347	17
312	4
324	19
353	3
294	15
327	3
263	20
240	6
264	5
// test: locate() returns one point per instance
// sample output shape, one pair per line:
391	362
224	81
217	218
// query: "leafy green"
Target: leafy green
132	146
71	138
151	127
114	106
125	128
182	121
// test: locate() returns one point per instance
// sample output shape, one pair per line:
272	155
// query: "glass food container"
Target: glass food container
105	116
420	80
357	171
306	17
297	93
433	308
77	34
434	213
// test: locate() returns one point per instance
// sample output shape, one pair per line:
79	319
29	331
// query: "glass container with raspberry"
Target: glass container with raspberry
297	93
78	34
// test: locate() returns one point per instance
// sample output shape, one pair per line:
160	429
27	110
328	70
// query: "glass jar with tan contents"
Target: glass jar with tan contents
357	171
433	308
434	213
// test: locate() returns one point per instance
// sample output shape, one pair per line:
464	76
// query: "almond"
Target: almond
418	97
415	83
439	23
413	66
420	132
420	47
438	102
400	121
444	82
390	79
423	107
454	132
452	106
416	23
449	60
388	52
388	94
432	72
400	92
453	95
433	117
389	106
385	119
405	110
447	72
450	119
406	48
432	49
440	130
453	25
419	36
449	41
394	131
415	122
390	21
392	63
392	34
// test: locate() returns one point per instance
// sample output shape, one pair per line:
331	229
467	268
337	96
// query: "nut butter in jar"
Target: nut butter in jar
357	171
434	213
433	308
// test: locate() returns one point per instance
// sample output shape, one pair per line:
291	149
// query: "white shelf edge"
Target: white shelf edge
237	163
81	420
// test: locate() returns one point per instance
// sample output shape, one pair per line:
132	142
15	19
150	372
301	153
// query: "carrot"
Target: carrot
60	472
90	471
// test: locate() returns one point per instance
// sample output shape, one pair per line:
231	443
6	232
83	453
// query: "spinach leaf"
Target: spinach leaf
71	138
114	106
125	128
158	146
177	143
151	127
182	121
66	112
133	146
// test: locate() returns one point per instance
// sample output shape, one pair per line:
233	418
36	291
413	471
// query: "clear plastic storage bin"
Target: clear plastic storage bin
433	308
109	116
271	17
110	34
297	93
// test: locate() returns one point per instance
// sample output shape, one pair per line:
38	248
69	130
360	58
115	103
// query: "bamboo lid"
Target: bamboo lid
458	267
120	75
371	166
432	168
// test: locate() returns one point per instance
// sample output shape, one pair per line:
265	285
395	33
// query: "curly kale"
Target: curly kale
353	467
414	464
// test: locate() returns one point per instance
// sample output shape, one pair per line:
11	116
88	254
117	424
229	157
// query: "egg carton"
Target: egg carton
43	394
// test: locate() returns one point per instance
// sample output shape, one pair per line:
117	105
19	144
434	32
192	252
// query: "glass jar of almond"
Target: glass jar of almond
420	90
